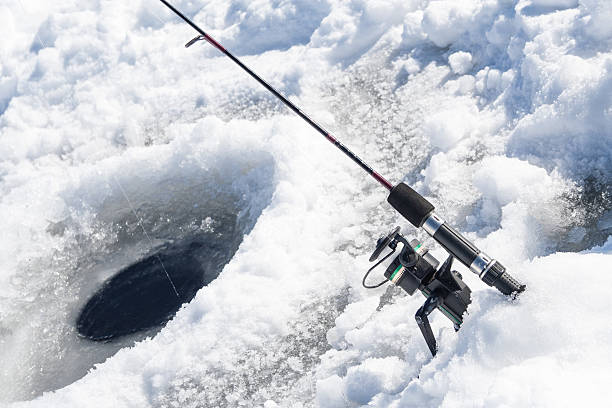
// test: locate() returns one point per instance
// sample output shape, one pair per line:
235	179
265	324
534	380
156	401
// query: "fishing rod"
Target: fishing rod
414	268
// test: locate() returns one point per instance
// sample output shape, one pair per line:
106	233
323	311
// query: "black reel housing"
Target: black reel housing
416	269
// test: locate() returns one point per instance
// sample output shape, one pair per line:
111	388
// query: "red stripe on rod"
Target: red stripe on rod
382	180
331	138
214	43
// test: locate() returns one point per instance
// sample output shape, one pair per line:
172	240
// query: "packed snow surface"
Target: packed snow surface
115	139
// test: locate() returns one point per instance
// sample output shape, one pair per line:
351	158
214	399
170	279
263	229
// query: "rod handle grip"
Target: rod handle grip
413	206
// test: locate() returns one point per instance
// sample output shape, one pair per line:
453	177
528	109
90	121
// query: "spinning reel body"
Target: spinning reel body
416	269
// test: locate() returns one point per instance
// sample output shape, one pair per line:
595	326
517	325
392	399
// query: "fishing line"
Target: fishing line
154	14
139	219
37	36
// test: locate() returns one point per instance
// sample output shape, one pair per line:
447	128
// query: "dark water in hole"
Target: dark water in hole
140	296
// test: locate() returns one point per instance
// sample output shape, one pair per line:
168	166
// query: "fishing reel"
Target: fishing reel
416	269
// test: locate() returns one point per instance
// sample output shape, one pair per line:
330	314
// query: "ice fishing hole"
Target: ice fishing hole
149	292
192	212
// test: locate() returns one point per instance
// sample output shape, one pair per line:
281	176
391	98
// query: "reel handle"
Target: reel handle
383	242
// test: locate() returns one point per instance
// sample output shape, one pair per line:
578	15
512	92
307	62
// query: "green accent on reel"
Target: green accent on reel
395	272
444	310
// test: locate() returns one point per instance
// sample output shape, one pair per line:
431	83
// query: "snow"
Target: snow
460	62
555	3
445	21
498	111
446	128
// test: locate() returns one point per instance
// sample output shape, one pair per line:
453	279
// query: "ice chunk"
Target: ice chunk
444	21
446	128
460	62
